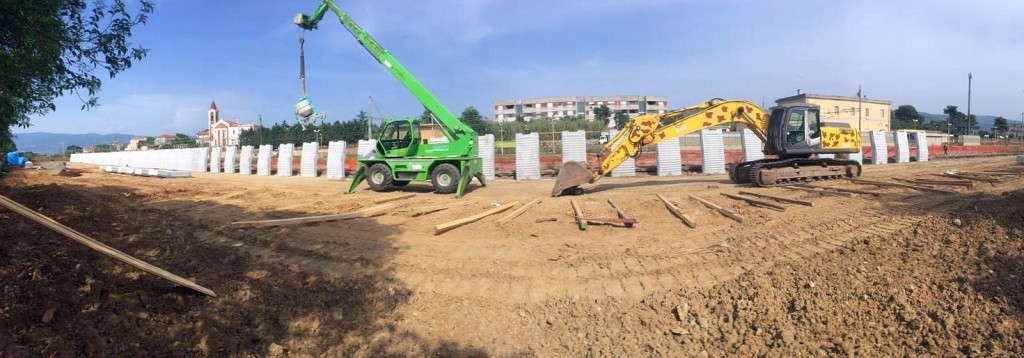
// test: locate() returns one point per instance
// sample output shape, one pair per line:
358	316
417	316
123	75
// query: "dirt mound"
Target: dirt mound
70	172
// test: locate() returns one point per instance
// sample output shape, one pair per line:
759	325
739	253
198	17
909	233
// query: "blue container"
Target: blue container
12	158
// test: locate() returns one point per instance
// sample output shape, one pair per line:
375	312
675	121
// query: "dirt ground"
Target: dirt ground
903	273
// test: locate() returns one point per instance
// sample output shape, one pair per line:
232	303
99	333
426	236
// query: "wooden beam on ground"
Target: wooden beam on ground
962	183
517	212
577	213
99	246
433	209
470	219
819	192
620	213
394	198
898	185
779	199
678	213
755	202
842	190
538	221
969	177
724	211
915	183
363	213
610	221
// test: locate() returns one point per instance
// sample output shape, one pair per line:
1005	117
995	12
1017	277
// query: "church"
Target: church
220	132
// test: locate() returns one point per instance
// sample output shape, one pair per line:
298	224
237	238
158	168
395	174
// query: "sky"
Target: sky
473	52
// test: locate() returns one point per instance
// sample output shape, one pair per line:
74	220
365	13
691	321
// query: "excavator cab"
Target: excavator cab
794	131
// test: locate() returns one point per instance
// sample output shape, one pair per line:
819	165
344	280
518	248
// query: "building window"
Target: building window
853	109
837	111
882	111
867	112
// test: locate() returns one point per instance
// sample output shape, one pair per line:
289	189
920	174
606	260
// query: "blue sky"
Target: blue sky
471	52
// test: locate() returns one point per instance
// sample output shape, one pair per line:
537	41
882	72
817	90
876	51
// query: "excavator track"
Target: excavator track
795	170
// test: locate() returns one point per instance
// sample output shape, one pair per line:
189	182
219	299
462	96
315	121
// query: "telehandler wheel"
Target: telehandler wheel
379	177
445	178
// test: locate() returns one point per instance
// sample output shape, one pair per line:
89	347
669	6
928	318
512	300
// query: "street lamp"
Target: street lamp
970	126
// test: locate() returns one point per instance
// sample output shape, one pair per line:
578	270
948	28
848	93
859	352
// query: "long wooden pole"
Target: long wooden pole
726	212
820	192
517	212
365	213
678	213
394	198
456	223
99	246
777	198
898	185
577	213
619	212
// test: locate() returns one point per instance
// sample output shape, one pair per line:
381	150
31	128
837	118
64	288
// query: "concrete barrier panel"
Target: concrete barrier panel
902	145
527	156
712	151
922	146
245	160
879	148
285	154
310	155
366	149
263	160
336	160
670	162
215	154
752	146
574	146
229	159
486	152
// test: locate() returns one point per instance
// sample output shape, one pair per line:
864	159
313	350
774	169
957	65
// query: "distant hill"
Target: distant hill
984	121
51	143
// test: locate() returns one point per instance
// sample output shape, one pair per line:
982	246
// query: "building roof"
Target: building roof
167	136
828	96
213	105
203	132
138	138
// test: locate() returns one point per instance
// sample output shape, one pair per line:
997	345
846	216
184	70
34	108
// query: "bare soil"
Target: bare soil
904	273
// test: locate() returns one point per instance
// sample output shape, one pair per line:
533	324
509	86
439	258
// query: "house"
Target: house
203	138
223	132
133	144
164	139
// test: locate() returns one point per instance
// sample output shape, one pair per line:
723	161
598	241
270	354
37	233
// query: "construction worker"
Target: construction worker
945	148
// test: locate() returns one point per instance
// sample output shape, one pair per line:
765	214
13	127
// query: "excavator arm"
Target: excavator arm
651	129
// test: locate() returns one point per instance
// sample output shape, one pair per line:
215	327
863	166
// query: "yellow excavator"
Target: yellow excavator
793	134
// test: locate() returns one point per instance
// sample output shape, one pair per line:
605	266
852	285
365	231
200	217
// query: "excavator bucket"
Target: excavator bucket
570	177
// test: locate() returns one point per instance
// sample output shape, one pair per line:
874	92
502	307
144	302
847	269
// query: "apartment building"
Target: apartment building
873	113
555	107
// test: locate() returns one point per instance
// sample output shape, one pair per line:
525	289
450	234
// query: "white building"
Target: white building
556	107
221	132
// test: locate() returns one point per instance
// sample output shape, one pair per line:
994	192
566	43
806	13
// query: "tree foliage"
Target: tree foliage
905	117
472	118
57	47
1000	126
602	114
349	131
621	119
959	122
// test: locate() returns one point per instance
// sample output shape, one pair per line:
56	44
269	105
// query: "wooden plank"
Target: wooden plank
969	177
517	212
724	211
678	213
470	219
819	192
924	182
577	213
364	213
609	221
395	198
842	190
433	209
779	199
898	185
99	246
545	220
917	184
755	202
620	213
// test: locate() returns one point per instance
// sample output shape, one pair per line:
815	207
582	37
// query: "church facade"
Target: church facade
220	132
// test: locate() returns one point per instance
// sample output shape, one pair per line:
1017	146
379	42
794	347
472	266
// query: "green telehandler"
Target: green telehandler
406	151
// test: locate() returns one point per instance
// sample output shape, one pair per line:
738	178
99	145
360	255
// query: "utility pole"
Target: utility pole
970	125
369	115
261	130
860	112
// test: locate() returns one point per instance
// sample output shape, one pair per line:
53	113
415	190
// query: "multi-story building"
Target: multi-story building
556	107
873	113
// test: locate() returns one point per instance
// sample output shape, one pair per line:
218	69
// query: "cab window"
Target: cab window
813	125
396	135
795	127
